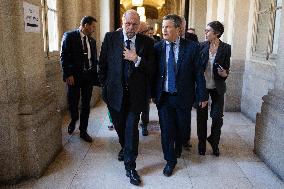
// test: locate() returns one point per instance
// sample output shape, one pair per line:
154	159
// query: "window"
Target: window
50	28
266	27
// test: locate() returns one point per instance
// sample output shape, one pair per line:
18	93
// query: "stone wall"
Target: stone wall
269	130
258	79
30	124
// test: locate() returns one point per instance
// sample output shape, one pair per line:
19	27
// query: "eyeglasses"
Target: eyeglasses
206	31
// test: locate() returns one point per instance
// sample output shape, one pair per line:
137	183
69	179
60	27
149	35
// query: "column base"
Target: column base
269	132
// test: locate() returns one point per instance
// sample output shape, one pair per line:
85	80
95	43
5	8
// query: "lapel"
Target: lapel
118	47
79	40
219	52
180	54
205	54
163	58
138	44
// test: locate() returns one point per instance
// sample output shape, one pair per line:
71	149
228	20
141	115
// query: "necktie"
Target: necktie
128	44
85	51
171	70
127	64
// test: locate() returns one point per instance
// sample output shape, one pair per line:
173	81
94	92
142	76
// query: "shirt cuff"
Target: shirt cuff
138	61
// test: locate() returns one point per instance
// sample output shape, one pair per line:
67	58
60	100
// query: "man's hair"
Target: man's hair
87	20
218	28
175	18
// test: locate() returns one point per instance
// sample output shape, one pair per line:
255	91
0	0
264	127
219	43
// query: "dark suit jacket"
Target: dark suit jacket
222	58
189	73
111	73
191	36
71	57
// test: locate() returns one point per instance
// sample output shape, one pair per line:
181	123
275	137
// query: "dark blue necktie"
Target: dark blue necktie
127	64
171	70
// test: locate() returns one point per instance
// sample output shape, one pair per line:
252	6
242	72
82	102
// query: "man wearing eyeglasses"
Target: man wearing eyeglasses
126	64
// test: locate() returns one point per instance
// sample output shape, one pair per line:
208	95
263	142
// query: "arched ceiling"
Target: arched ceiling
127	4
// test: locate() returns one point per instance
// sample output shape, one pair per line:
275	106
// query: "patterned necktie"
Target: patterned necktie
85	51
171	70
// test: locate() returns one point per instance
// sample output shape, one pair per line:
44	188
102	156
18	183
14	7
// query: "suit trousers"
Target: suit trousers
174	125
82	89
145	115
126	125
216	114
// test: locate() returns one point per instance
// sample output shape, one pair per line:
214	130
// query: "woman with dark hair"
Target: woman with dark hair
215	59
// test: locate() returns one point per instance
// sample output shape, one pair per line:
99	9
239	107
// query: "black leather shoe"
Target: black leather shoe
110	127
120	156
215	148
86	137
134	177
216	151
187	146
168	170
178	154
71	127
144	130
201	152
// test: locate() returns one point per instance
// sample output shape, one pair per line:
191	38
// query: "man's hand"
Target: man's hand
70	80
130	55
203	104
222	72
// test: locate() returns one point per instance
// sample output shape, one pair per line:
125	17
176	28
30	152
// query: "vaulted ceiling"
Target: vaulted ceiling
127	4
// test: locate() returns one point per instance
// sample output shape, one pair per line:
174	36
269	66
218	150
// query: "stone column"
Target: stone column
30	125
269	131
197	17
236	26
211	14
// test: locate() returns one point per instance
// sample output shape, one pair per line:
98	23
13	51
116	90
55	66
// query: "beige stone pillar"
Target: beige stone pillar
197	17
30	125
211	14
269	131
235	29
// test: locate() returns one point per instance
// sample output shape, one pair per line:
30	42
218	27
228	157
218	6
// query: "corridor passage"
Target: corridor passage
81	165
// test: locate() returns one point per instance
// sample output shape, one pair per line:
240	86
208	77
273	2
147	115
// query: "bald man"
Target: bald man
126	64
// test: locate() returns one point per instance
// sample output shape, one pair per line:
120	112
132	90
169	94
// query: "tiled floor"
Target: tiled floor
81	165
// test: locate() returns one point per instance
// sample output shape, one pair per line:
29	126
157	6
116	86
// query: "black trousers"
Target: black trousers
216	114
126	125
82	89
174	127
145	115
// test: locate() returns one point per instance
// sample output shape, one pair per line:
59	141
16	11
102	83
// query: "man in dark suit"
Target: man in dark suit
187	35
79	64
179	72
191	36
126	64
